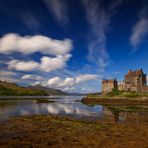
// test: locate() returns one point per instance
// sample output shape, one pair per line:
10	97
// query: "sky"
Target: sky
72	44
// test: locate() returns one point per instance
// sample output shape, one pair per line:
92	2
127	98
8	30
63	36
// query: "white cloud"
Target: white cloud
8	76
30	44
7	73
98	18
86	77
70	81
8	79
59	9
69	89
139	32
83	89
23	65
47	64
50	64
26	77
67	82
36	83
86	90
31	77
54	81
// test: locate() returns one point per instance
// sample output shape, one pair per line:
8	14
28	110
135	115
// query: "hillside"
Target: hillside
12	89
49	91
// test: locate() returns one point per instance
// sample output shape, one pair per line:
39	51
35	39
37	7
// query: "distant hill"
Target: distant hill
50	91
12	89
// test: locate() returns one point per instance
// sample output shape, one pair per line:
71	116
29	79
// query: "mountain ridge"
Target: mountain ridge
50	91
13	89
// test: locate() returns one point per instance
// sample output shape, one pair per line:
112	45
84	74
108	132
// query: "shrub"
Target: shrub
115	92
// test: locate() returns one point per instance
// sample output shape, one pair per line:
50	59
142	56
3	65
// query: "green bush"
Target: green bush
115	92
118	93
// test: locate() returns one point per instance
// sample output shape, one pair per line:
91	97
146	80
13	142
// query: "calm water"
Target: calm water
70	106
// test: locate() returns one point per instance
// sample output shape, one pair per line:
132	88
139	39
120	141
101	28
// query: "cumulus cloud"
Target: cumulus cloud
98	18
70	81
59	10
67	82
26	77
54	81
69	89
50	64
139	30
47	64
31	77
30	44
8	76
36	83
87	90
23	65
86	77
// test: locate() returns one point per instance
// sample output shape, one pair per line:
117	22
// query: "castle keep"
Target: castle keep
109	85
134	81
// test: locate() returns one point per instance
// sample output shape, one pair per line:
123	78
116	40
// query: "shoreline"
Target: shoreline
54	131
115	101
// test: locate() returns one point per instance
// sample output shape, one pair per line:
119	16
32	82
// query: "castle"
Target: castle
134	81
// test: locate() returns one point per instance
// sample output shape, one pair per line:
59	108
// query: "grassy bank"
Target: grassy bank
114	101
51	131
117	98
119	94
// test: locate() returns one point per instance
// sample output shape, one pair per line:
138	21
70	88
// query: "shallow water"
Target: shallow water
70	106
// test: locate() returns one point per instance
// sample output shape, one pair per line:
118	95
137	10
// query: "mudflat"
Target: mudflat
64	132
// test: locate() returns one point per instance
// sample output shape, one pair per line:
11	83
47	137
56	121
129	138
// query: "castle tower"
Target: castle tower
135	80
109	85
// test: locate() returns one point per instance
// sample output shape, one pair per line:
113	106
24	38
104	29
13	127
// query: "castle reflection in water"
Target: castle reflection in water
126	114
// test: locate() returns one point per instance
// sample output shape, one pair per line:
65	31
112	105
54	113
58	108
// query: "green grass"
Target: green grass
116	93
121	94
94	95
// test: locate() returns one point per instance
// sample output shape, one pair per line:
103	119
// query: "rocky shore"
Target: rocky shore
52	131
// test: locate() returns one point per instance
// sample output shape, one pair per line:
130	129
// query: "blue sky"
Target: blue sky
72	44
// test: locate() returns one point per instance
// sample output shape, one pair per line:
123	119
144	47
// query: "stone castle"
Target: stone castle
134	81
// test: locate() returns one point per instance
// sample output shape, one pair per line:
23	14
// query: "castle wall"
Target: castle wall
134	81
121	85
109	85
145	88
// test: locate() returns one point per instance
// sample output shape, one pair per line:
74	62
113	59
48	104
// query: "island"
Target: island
132	90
